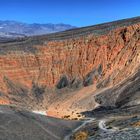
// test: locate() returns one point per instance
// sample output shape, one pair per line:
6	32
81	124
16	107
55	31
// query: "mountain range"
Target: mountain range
19	29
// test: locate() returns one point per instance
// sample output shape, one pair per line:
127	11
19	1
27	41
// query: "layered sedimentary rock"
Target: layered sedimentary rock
90	59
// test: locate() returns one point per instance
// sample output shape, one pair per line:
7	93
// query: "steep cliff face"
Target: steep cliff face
101	60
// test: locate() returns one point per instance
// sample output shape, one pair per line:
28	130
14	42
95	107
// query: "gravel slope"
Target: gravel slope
17	124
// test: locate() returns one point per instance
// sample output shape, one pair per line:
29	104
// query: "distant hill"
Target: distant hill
12	29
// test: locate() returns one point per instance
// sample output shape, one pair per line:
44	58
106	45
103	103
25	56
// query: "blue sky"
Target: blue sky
74	12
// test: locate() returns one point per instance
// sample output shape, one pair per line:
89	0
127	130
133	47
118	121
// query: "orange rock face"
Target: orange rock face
4	101
118	54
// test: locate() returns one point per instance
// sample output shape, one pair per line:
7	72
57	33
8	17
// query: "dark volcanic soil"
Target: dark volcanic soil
18	124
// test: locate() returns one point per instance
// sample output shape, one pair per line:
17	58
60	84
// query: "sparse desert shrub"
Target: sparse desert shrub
79	115
74	118
82	135
66	116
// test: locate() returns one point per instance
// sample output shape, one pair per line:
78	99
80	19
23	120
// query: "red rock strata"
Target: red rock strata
118	53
